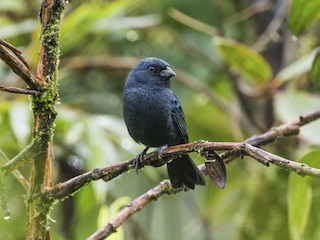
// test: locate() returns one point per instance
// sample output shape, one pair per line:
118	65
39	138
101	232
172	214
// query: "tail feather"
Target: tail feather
183	171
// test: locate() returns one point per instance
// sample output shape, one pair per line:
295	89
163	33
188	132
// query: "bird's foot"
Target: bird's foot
159	151
138	160
159	162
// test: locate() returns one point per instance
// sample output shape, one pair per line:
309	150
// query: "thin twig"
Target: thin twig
266	158
248	12
272	29
136	205
4	198
287	129
12	57
63	190
24	182
15	51
191	22
18	90
26	155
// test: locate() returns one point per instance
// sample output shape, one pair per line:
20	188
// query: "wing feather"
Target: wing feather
179	120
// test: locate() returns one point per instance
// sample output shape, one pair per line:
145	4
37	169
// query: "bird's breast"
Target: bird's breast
147	115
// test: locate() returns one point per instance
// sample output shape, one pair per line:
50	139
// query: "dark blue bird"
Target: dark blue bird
154	117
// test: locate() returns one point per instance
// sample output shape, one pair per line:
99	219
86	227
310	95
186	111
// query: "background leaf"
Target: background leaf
300	66
107	213
302	14
292	104
300	197
249	63
315	71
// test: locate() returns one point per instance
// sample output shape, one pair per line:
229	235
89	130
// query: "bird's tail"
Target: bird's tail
183	171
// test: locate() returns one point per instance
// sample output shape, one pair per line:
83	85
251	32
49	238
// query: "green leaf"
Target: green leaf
302	14
300	197
244	59
299	67
315	70
107	213
82	20
299	202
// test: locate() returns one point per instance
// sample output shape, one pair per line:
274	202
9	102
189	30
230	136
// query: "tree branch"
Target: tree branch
283	130
13	58
136	205
26	155
4	198
24	182
165	187
18	90
266	37
248	12
43	106
67	188
192	22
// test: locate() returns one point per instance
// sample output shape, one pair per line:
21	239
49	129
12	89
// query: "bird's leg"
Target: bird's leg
159	151
159	163
137	161
160	156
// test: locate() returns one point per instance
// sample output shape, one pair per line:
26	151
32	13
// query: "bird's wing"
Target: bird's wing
178	119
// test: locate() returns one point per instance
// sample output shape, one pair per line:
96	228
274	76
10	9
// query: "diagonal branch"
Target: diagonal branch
26	155
18	90
192	22
13	58
24	182
63	190
265	158
266	37
284	130
136	205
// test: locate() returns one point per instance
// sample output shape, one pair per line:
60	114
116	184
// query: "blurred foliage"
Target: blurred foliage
257	75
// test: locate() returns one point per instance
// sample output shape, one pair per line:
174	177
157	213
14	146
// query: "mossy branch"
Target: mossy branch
23	157
43	105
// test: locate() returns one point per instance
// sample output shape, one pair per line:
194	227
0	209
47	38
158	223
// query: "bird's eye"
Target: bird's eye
151	69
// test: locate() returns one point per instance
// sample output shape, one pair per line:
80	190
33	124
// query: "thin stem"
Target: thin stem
15	51
16	173
26	155
18	65
136	205
18	90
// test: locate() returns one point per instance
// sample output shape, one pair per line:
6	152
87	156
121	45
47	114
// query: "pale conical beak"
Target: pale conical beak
167	73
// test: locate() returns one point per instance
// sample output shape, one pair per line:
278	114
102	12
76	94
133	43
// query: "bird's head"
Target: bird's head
151	72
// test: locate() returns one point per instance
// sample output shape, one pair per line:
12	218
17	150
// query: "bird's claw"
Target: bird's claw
138	160
160	151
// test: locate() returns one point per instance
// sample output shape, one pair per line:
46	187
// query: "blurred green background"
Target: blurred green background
242	67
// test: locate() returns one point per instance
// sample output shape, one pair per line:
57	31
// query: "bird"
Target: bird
154	117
